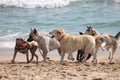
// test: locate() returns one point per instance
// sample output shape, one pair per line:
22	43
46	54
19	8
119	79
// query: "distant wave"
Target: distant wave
7	44
35	3
8	41
117	1
46	3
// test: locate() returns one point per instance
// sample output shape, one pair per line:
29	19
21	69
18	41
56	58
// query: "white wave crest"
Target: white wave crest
117	1
9	36
7	44
36	3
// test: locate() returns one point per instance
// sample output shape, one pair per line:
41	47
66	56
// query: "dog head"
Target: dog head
57	33
91	31
33	35
20	41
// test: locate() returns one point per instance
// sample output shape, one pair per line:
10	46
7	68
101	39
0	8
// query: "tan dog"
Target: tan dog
23	46
70	43
111	41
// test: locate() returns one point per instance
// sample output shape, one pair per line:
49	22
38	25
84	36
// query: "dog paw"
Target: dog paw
48	58
109	58
28	61
12	61
59	62
72	59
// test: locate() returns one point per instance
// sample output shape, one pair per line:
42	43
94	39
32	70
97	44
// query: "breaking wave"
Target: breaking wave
36	3
47	3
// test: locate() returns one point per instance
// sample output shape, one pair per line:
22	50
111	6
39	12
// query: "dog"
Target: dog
70	43
45	43
23	46
80	53
111	41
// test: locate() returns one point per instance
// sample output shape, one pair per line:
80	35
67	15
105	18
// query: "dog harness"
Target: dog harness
22	47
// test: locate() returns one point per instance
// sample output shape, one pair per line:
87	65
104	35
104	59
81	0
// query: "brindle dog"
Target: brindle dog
80	53
23	47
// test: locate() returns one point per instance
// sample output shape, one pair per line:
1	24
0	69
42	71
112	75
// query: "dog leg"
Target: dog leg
31	58
59	51
113	51
36	58
15	52
62	57
68	56
81	57
78	55
85	57
27	56
108	49
95	55
44	55
71	56
40	52
109	57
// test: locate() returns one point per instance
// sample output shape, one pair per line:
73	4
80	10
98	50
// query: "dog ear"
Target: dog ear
17	39
61	30
31	29
88	27
35	31
58	32
80	33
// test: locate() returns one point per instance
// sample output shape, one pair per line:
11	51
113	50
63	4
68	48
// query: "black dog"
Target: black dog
80	53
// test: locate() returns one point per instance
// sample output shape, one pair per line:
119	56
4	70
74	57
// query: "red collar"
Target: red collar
24	44
61	37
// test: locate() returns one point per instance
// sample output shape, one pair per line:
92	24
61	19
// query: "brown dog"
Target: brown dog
23	46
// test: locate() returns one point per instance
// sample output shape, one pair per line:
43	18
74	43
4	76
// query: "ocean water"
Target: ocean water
17	17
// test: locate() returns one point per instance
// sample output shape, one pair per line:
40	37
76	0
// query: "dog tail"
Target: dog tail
117	35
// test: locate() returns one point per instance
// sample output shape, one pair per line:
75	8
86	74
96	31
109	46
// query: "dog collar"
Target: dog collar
61	37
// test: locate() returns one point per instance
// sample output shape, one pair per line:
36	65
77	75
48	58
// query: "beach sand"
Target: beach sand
51	70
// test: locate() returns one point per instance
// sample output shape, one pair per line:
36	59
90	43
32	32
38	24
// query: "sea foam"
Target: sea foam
8	41
117	1
36	3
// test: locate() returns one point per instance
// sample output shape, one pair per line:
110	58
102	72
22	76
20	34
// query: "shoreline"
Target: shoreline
8	52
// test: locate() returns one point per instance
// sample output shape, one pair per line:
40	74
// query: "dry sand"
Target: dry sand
51	70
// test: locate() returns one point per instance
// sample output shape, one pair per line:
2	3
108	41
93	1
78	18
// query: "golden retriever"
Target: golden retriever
70	43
